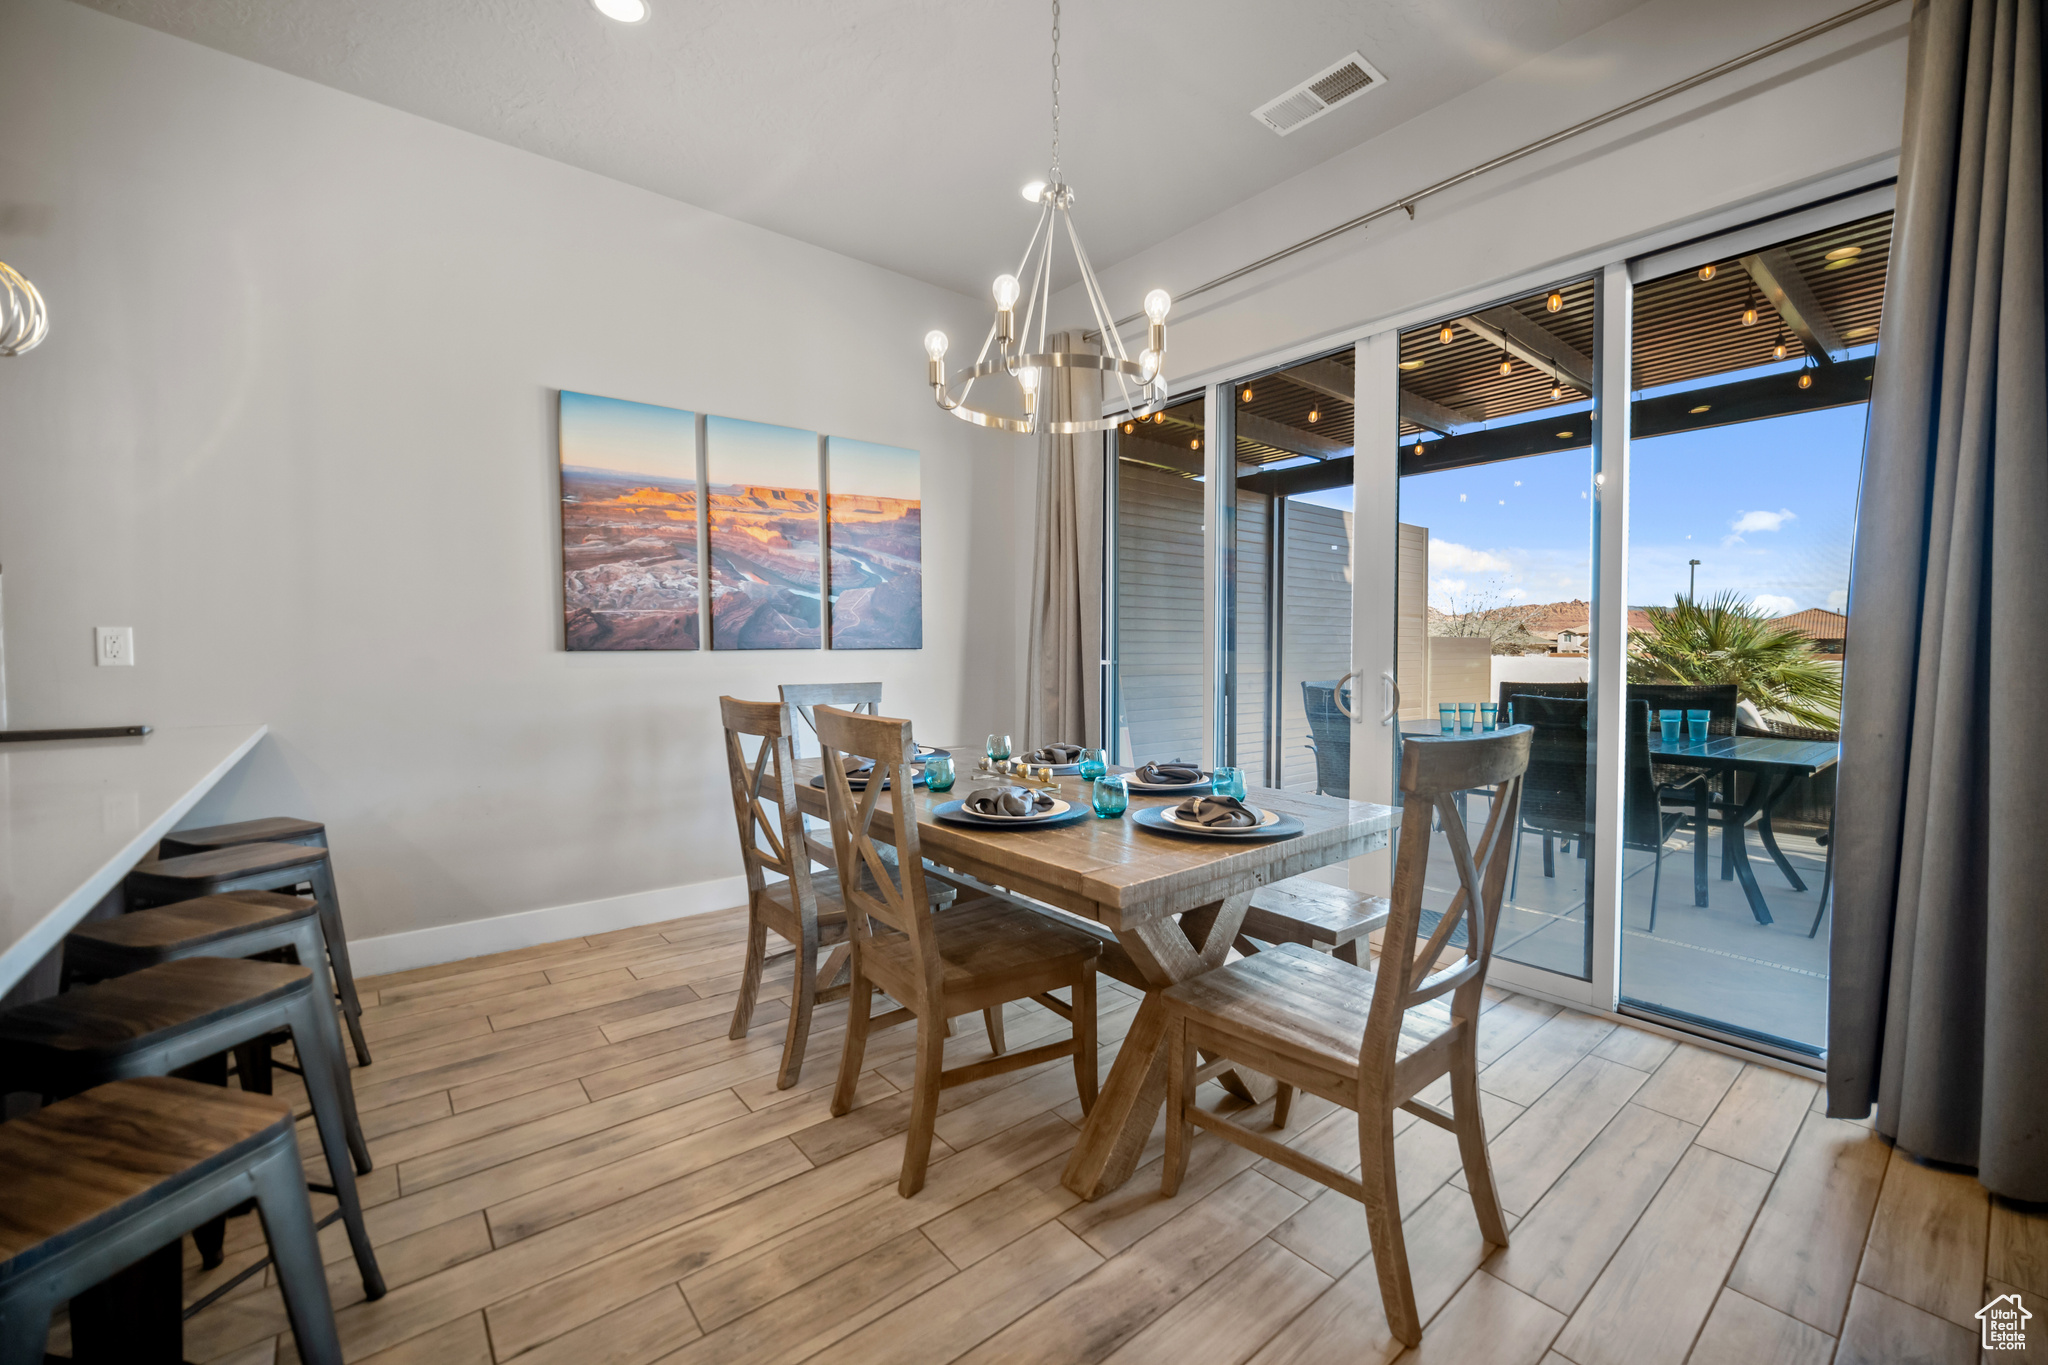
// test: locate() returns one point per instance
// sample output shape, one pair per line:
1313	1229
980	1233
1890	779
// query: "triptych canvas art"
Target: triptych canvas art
782	576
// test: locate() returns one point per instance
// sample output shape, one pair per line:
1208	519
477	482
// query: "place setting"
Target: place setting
859	771
1173	778
1009	807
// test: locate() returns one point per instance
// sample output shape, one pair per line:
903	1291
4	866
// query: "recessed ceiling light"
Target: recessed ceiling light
1562	435
625	11
1701	408
1411	364
1844	252
1842	264
1860	332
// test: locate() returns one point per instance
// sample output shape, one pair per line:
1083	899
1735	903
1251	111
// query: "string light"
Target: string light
1556	392
1195	444
1749	310
1779	351
1247	395
1554	302
1130	427
1707	271
1314	416
1447	336
1806	379
1159	417
1507	367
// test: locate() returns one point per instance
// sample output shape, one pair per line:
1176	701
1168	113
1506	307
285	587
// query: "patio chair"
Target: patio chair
1329	738
1554	794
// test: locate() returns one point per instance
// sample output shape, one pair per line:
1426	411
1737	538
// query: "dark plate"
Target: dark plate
950	813
1151	818
928	751
860	784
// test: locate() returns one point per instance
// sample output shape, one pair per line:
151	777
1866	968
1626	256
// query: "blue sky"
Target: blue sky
877	471
1767	507
741	452
633	438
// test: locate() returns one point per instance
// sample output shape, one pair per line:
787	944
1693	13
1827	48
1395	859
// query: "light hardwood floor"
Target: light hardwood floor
575	1166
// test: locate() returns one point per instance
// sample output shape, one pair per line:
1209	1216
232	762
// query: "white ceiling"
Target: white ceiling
897	131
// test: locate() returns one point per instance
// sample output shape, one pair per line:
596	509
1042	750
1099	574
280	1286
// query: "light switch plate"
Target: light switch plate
113	646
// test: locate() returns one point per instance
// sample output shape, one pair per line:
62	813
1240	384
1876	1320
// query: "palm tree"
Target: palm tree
1726	640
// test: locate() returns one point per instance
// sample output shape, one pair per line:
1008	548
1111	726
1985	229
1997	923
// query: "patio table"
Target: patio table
1775	764
1174	904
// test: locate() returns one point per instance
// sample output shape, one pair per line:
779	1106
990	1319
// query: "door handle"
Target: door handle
1337	696
1391	690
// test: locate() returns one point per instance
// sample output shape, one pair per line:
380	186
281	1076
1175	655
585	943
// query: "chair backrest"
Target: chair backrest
1554	798
864	697
767	843
1433	771
900	901
1510	690
1719	698
1331	731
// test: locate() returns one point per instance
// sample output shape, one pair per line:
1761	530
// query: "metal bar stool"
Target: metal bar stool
179	1013
95	1183
241	924
259	867
271	829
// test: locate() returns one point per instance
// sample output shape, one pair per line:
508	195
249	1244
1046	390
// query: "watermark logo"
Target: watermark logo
2005	1321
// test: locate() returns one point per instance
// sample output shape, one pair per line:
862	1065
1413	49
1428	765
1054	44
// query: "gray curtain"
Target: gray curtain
1938	1004
1063	672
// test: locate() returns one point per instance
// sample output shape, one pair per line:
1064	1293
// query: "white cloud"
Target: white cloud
1516	595
1770	604
1450	587
1447	554
1838	600
1461	497
1745	522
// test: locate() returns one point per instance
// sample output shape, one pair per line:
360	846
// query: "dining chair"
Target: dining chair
980	955
864	697
1370	1039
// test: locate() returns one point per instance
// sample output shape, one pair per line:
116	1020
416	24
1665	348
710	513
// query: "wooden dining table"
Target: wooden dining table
1174	903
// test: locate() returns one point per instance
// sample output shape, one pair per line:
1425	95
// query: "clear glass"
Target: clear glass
1110	796
998	748
1494	588
1159	673
1228	782
1092	764
1742	507
938	772
1489	715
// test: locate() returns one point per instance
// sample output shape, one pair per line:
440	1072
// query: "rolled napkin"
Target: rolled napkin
1058	754
1217	812
1005	801
1169	774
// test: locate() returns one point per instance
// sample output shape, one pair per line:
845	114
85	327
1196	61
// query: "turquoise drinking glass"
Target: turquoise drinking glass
1227	782
1697	722
938	772
1092	765
1447	717
998	748
1671	721
1489	715
1111	796
1467	711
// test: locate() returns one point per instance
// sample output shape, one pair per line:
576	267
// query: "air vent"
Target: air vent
1319	94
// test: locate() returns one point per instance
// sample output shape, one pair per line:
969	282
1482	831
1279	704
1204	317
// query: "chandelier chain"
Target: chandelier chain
1055	91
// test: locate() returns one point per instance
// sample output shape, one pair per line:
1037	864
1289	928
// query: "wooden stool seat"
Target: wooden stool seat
271	829
1305	1003
1302	910
100	1181
259	867
146	937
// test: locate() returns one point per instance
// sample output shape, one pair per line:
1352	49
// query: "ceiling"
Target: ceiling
898	131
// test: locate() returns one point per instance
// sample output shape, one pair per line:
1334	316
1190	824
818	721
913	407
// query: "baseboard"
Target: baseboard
500	933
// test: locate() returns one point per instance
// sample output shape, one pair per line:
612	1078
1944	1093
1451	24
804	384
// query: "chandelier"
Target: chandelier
1019	354
24	321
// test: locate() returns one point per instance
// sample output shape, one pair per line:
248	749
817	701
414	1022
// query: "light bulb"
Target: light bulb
935	345
1247	395
1778	351
1034	191
1158	304
1148	364
1506	366
1159	417
1314	416
1195	444
1706	272
1554	302
1556	392
1027	379
1805	379
1130	427
1749	317
625	11
1006	291
1446	336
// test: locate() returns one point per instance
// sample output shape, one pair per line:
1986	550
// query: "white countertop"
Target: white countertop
77	814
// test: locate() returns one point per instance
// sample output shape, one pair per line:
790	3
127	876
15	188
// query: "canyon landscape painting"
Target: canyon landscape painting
763	517
877	573
629	524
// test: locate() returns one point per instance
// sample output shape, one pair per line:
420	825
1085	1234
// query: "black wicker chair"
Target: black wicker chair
1329	737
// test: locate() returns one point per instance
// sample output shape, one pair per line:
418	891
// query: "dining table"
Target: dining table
1773	765
1173	902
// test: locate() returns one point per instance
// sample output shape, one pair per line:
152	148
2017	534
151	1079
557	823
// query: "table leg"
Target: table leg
1735	844
1248	1085
1165	952
1768	837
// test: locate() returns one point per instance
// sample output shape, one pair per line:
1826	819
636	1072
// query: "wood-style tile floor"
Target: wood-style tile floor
575	1166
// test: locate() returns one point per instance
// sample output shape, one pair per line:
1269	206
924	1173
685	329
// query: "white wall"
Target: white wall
1828	108
294	423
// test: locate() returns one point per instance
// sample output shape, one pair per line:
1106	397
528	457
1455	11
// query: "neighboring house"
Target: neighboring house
1827	629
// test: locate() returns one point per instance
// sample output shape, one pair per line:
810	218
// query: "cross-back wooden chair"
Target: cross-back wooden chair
1370	1040
980	955
808	915
864	697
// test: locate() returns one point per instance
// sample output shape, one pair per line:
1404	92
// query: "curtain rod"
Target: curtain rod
1408	202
